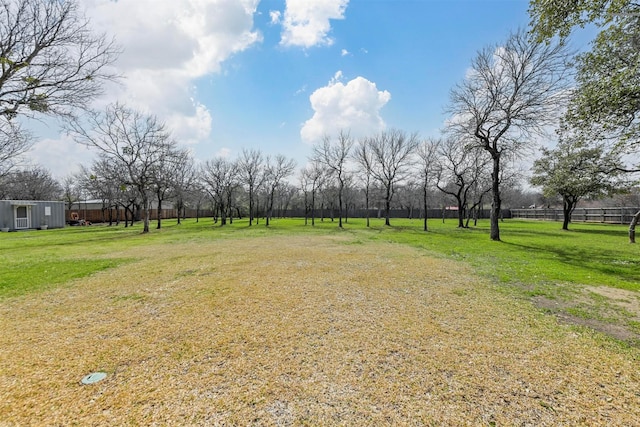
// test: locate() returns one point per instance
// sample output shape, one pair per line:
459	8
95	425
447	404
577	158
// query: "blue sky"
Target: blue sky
275	75
414	49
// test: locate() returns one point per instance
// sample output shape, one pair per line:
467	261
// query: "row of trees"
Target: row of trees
515	93
139	163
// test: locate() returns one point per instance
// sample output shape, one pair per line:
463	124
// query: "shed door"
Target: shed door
22	216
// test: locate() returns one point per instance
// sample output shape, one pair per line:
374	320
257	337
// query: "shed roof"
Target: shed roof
22	203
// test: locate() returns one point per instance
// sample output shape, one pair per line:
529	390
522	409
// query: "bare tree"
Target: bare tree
50	63
163	177
285	194
196	196
276	171
313	177
104	181
334	156
460	168
14	141
510	94
481	186
427	163
50	60
220	177
136	142
35	183
306	186
71	191
251	169
392	157
363	156
183	178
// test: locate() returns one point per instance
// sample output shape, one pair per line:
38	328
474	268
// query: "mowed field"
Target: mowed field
281	327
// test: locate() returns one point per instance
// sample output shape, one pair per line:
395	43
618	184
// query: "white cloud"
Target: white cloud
344	52
354	107
169	44
62	156
191	129
306	22
275	16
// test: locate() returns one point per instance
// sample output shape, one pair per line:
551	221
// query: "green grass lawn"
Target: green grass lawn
533	260
320	324
538	255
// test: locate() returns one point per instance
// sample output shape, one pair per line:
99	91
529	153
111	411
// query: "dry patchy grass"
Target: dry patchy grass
307	330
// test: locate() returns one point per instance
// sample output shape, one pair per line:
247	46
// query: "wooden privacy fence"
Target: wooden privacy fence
604	215
102	215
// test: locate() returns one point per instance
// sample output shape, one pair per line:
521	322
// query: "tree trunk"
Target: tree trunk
346	213
270	208
313	208
250	206
567	208
147	215
460	214
632	227
180	210
340	207
223	214
366	203
424	205
496	202
159	215
387	207
257	211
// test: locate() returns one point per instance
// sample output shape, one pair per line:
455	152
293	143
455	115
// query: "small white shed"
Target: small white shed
31	214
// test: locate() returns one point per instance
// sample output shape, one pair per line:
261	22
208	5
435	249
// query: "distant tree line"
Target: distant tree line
519	97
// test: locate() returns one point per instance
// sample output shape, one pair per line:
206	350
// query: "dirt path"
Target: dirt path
301	330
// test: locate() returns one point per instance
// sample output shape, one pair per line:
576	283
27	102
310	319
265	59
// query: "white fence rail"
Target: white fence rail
602	215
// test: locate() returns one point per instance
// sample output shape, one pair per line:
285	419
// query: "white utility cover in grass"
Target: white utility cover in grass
94	378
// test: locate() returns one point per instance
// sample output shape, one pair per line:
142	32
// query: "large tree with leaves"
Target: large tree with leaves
575	170
511	93
558	18
606	103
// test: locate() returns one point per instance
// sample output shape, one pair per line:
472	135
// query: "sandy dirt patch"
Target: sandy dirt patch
301	331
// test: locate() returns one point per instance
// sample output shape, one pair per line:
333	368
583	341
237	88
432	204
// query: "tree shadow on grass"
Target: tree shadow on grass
591	259
601	232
